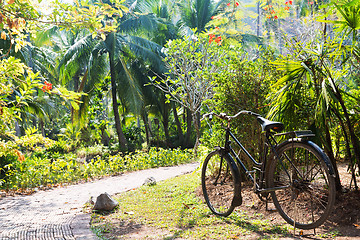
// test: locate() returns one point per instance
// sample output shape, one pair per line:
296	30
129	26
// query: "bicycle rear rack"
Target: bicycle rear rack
298	134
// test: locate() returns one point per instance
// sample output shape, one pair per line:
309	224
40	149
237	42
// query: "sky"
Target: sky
44	5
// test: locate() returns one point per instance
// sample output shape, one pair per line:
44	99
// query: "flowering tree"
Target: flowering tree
20	19
193	64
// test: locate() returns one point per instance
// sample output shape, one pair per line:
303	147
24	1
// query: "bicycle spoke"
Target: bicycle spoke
311	187
218	185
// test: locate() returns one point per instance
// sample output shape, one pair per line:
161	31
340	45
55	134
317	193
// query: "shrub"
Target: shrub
42	170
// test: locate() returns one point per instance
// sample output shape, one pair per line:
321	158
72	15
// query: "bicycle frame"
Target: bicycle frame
295	165
259	166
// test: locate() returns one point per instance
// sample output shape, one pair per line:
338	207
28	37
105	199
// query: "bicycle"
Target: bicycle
296	173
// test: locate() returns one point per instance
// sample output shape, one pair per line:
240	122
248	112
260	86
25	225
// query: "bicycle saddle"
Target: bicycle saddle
266	124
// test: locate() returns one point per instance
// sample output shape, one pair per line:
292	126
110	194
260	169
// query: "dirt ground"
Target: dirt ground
344	220
343	223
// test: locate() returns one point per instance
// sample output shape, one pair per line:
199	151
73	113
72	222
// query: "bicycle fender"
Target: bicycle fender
316	148
324	155
237	200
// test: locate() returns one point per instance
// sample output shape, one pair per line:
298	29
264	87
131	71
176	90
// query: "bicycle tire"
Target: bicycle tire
308	201
220	182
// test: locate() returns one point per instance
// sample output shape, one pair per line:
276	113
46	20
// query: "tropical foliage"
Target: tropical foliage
109	78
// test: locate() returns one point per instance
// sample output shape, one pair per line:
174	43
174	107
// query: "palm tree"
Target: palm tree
90	58
197	13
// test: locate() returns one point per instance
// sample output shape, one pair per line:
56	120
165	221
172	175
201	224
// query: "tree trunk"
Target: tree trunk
121	136
258	19
348	150
41	126
329	151
147	127
165	122
196	121
105	140
178	125
188	130
353	138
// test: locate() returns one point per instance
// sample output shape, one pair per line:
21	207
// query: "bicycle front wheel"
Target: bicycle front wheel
302	172
220	184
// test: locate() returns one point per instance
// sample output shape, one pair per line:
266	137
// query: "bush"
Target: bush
35	171
245	87
8	155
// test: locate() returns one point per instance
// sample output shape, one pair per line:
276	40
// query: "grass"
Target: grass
171	209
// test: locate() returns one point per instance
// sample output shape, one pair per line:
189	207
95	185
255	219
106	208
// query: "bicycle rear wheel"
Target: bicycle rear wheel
309	191
220	184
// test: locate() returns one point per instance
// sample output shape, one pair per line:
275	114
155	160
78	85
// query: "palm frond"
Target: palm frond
128	88
144	21
75	58
144	49
46	36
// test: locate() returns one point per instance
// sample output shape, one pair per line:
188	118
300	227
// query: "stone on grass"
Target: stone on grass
104	202
150	181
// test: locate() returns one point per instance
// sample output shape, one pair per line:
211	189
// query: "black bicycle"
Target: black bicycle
296	173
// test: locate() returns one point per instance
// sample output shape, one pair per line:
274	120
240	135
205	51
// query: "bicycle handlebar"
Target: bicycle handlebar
224	116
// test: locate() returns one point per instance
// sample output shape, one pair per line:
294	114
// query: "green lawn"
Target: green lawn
171	209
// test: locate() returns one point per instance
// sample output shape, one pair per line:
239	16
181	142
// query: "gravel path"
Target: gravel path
56	213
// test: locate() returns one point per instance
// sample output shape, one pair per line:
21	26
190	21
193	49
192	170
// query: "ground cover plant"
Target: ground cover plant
47	169
175	209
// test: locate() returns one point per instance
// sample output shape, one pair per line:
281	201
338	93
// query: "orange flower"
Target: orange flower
47	86
3	35
287	8
218	40
211	38
228	4
20	156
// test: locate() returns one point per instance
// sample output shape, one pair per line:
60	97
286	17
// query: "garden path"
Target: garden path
57	213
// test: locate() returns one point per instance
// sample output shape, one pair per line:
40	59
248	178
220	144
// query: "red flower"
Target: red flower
311	3
217	28
228	4
265	8
287	8
236	4
212	17
47	86
272	11
218	40
275	17
212	36
290	2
